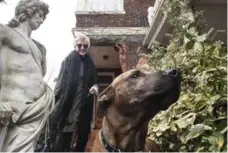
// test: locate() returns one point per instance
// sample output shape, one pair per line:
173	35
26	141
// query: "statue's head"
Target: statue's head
82	44
28	9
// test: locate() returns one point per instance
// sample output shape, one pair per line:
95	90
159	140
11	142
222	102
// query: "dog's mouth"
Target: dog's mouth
162	99
168	98
163	93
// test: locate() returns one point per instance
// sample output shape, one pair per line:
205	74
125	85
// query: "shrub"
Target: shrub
198	121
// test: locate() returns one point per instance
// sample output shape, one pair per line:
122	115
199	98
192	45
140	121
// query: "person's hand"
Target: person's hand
5	113
94	90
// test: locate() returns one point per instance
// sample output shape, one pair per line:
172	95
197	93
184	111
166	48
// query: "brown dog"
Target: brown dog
129	103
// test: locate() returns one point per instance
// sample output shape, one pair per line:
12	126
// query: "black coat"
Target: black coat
67	85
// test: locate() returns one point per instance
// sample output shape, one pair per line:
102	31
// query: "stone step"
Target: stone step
93	134
88	149
92	137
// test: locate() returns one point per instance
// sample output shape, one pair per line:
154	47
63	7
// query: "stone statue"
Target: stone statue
25	99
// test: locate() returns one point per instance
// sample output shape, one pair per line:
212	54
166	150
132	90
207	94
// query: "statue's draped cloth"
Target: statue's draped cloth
28	120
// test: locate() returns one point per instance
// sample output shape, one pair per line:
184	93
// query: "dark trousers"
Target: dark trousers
84	126
83	134
64	141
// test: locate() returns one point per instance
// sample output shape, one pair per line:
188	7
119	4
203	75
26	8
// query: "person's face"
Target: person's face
36	20
82	47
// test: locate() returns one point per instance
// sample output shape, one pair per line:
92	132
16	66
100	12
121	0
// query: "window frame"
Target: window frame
87	11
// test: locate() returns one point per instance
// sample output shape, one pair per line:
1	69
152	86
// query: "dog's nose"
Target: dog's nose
173	72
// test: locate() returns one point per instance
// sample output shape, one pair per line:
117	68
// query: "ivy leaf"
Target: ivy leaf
186	120
201	38
183	137
198	47
196	131
192	31
173	128
224	130
202	78
189	45
172	47
183	148
199	148
171	145
216	139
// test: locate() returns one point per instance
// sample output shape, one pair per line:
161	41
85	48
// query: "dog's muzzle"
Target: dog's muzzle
174	73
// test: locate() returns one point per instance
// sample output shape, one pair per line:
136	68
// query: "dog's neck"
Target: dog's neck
124	135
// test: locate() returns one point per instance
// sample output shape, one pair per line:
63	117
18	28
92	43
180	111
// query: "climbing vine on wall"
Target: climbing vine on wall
198	121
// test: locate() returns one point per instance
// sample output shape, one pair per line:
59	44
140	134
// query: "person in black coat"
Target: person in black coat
72	116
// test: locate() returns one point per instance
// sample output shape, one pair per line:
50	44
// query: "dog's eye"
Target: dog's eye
135	75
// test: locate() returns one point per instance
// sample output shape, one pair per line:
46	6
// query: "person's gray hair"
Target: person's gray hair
81	36
26	9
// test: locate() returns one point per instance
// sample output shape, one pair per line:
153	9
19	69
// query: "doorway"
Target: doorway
106	60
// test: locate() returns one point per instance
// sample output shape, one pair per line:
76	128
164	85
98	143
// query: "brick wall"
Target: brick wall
132	56
135	16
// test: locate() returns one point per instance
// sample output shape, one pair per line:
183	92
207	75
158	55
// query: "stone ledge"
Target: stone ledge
98	12
102	31
112	40
105	36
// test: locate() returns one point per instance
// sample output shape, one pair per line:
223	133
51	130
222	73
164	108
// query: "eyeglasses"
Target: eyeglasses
84	45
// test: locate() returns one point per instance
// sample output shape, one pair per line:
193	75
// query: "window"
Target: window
99	6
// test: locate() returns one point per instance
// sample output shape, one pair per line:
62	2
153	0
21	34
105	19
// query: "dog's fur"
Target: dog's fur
129	103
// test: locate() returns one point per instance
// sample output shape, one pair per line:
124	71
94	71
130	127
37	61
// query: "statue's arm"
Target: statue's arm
5	108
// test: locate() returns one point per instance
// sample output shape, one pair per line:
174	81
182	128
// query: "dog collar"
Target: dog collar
107	145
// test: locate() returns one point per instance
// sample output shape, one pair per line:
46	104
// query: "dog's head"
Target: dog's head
138	92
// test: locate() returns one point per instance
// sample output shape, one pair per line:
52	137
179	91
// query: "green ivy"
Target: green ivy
198	121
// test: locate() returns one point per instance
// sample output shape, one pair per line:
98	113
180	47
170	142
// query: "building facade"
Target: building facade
116	29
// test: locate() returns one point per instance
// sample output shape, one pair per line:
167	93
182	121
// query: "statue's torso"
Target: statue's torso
21	77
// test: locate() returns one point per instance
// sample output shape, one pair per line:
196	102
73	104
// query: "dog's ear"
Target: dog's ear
104	100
